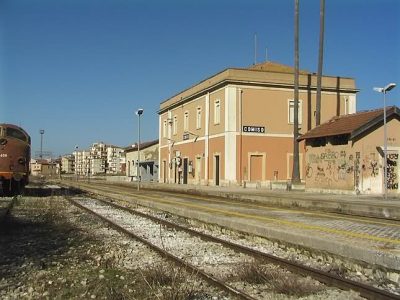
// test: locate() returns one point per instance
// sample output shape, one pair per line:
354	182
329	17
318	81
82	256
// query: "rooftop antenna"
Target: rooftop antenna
255	48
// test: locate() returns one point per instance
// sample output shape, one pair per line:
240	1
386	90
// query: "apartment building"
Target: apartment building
68	164
115	159
81	162
236	127
99	159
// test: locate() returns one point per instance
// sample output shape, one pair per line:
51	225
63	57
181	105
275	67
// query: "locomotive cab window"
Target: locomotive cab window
15	133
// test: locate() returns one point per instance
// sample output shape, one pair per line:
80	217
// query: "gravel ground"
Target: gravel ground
221	262
341	266
50	250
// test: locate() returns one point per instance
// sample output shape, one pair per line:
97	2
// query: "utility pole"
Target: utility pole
320	62
296	164
41	143
139	112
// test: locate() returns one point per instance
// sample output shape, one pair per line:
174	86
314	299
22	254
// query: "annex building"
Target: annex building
236	127
346	154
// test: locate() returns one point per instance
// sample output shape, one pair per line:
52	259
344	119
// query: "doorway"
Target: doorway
198	170
217	170
185	170
164	166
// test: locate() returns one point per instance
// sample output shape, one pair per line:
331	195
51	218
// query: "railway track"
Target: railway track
101	209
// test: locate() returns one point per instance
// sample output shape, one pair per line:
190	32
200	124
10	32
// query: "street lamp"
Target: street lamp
76	161
139	112
41	131
384	90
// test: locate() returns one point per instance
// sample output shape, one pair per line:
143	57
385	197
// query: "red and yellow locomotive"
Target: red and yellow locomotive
15	155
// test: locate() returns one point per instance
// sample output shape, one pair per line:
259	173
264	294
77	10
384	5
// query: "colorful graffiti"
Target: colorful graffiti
392	177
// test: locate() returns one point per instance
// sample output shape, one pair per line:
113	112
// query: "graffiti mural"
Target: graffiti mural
392	169
329	169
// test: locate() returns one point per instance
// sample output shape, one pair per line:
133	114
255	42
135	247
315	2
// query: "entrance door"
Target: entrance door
217	170
198	169
185	170
164	166
256	167
175	171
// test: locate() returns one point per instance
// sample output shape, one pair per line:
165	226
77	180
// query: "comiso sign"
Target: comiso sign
255	129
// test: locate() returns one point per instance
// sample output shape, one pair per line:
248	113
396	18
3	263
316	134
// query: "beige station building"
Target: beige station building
235	128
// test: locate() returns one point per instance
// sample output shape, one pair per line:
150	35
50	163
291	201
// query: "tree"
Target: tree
296	164
320	61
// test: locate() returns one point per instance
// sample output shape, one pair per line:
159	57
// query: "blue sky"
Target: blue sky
80	68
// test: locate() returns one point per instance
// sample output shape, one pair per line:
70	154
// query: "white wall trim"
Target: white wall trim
219	135
230	133
352	104
206	136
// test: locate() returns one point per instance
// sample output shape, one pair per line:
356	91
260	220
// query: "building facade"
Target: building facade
346	154
100	159
236	127
68	164
115	160
44	167
148	166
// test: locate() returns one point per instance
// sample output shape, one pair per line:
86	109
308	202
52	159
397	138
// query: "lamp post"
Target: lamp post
76	161
41	131
384	90
139	112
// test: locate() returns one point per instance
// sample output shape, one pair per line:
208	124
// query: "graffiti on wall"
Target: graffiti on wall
370	166
329	168
357	172
392	178
344	169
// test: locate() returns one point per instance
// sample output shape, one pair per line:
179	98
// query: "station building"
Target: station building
346	154
236	127
148	162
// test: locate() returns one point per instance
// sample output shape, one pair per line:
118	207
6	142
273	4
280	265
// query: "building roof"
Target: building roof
270	66
143	145
268	74
353	124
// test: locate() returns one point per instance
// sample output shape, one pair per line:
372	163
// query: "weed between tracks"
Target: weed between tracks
278	280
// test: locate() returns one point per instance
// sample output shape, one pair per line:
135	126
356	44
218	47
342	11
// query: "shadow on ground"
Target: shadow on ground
38	238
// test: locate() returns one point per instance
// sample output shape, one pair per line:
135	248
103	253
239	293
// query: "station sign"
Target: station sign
254	129
185	136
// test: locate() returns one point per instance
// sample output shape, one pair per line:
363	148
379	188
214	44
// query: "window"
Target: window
291	111
198	118
165	128
186	121
339	139
346	106
217	111
175	125
15	133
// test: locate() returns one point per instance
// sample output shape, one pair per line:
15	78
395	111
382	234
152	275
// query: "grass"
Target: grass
278	280
170	283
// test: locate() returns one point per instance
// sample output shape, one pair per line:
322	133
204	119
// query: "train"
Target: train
15	156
